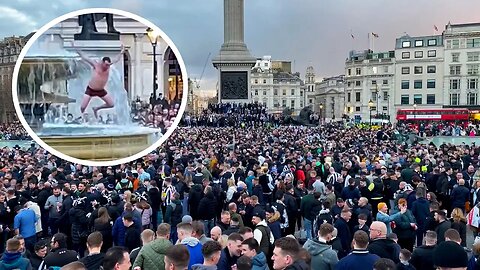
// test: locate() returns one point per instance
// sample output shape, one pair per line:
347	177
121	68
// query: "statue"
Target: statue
89	30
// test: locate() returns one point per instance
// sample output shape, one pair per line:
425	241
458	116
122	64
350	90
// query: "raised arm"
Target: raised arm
119	56
83	56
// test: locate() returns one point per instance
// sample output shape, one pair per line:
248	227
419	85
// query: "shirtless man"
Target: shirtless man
96	86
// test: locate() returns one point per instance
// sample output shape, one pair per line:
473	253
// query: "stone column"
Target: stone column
137	70
233	19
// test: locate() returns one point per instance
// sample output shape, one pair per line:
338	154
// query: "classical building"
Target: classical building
331	98
310	91
10	48
369	76
462	62
419	72
276	88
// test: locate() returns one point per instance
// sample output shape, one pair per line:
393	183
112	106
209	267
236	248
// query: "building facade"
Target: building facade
10	48
419	72
462	63
310	90
369	80
331	98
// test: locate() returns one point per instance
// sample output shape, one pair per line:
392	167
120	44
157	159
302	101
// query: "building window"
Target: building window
473	56
472	98
374	82
357	109
454	99
275	92
473	42
405	99
417	99
385	108
301	93
264	81
358	83
431	69
417	84
357	97
418	54
292	92
256	92
301	103
292	104
455	69
373	108
455	57
472	83
455	43
406	44
385	69
349	71
432	53
385	96
284	92
284	103
405	55
374	96
430	84
472	69
406	84
310	101
265	64
418	70
405	70
418	43
454	84
349	83
430	98
256	81
349	97
358	71
432	42
385	82
264	92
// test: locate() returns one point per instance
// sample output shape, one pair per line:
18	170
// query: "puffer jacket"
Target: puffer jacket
152	255
79	221
259	262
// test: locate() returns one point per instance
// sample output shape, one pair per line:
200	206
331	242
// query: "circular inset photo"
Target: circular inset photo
100	87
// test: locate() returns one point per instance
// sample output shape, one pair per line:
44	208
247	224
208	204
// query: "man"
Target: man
262	232
95	258
132	234
460	195
323	256
40	251
117	258
308	203
59	255
147	237
151	256
198	232
231	253
176	258
224	222
98	81
234	226
380	244
344	232
215	233
442	225
286	255
193	245
360	258
53	205
251	249
246	233
211	252
449	255
422	257
12	258
232	208
24	224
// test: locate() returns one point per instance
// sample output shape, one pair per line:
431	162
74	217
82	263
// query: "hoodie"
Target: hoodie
93	262
323	256
15	260
259	262
195	249
204	267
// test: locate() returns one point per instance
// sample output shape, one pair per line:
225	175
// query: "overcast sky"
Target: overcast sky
308	32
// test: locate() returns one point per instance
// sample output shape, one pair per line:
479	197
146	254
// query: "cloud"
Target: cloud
8	13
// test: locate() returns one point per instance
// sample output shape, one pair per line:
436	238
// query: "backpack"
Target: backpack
323	217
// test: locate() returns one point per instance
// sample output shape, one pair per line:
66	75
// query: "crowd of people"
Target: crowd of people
159	113
13	131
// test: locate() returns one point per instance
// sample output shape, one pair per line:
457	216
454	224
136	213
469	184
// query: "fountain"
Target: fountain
52	76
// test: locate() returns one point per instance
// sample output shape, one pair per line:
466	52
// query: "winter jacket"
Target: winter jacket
106	230
421	211
422	258
93	262
291	206
35	260
385	218
357	260
461	228
259	262
132	237
350	192
152	255
59	257
173	214
323	217
345	236
307	204
298	265
403	228
203	267
194	197
78	219
401	266
441	229
226	261
207	207
459	196
323	256
118	230
13	261
195	249
384	248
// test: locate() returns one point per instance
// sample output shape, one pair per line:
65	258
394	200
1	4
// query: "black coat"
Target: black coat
207	207
345	236
79	221
422	258
421	211
384	248
155	198
441	229
132	237
461	227
194	197
67	203
403	228
459	196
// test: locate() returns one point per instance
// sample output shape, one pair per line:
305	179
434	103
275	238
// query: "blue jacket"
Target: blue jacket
226	261
12	261
350	193
357	260
459	196
118	230
421	211
259	262
387	219
195	249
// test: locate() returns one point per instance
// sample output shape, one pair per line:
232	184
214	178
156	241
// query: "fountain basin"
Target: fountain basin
99	143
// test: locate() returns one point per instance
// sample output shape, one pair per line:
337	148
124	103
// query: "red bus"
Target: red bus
416	116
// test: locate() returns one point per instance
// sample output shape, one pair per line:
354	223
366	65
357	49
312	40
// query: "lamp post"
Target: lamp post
414	111
376	96
370	105
153	37
321	112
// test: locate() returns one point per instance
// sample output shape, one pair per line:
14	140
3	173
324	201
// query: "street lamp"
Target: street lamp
321	113
414	111
370	105
153	36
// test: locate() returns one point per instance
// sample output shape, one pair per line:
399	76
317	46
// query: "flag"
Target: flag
435	27
352	36
374	35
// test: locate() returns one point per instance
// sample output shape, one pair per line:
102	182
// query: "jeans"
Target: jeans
307	224
53	226
208	225
30	242
173	235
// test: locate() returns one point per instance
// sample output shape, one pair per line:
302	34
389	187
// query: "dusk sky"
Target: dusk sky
308	32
